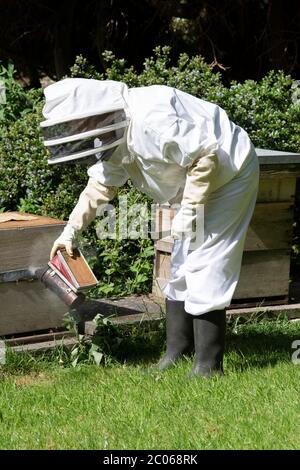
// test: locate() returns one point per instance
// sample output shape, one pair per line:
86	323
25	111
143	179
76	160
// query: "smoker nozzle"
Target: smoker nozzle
37	273
53	282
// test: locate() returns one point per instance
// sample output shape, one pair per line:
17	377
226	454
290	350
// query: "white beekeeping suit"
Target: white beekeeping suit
174	147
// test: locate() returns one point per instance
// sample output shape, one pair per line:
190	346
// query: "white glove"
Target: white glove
93	195
65	240
183	224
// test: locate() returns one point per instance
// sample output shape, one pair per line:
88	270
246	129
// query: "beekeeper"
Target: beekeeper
176	148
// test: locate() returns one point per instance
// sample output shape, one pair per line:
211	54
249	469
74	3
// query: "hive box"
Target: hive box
26	305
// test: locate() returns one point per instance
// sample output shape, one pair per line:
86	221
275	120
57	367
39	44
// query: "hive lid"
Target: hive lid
271	157
16	220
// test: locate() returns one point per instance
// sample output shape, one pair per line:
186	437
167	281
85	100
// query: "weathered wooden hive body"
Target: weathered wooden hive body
25	304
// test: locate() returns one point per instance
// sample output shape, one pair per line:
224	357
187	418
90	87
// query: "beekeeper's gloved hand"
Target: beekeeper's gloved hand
84	212
199	184
65	240
183	224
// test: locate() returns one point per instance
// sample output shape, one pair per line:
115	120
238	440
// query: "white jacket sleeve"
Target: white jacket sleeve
94	195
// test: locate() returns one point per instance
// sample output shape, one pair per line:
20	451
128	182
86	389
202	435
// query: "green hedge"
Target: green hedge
266	109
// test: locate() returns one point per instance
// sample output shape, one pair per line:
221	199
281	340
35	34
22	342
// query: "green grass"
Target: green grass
126	405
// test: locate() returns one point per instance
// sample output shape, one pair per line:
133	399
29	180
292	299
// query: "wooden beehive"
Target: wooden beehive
26	305
266	258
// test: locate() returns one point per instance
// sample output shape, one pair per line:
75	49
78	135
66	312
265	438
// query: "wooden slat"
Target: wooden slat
157	285
260	301
29	306
277	190
24	248
279	171
165	244
163	265
163	218
264	274
270	227
291	311
45	345
39	338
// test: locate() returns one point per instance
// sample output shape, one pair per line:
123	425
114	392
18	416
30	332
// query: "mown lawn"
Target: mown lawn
126	405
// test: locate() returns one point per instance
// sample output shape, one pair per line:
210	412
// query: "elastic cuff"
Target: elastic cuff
70	231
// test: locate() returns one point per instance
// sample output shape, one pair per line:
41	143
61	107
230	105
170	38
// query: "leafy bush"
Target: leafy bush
265	109
27	182
112	342
191	75
18	101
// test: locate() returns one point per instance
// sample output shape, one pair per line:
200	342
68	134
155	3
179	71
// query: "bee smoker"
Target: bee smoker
53	282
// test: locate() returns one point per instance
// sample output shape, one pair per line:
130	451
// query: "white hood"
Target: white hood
84	118
73	98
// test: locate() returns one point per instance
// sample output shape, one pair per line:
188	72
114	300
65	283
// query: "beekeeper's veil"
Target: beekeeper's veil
85	119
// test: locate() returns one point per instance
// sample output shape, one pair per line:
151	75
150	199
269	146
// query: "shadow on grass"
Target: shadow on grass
259	346
255	344
137	345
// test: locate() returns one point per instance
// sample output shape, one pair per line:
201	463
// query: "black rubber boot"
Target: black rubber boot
209	337
179	333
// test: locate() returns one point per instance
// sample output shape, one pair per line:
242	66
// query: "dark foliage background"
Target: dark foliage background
246	37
